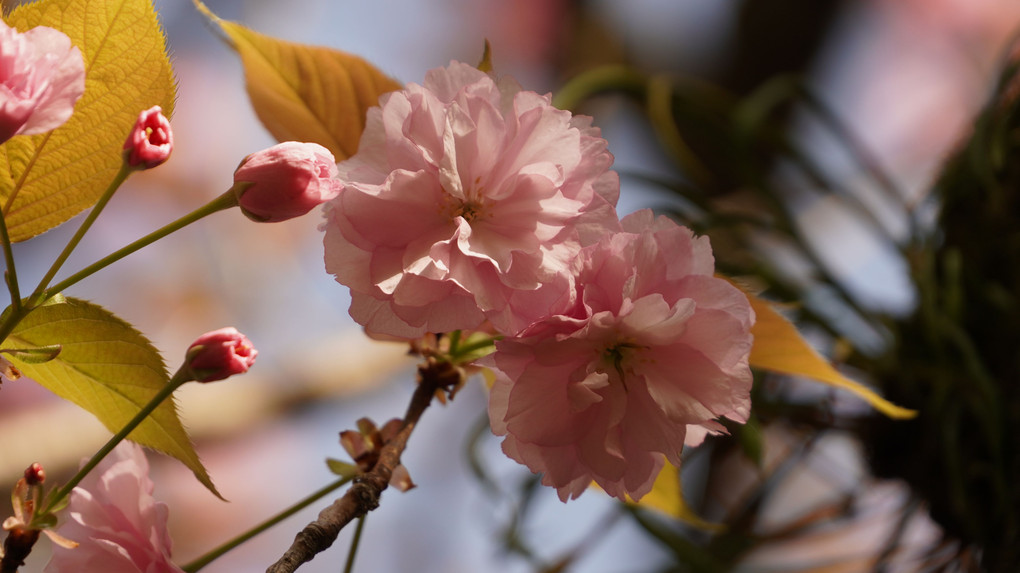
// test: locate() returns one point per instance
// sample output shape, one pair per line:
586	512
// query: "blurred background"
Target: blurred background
904	77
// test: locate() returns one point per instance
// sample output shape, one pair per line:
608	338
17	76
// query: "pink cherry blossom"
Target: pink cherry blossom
151	140
119	526
285	181
467	200
220	354
606	391
42	76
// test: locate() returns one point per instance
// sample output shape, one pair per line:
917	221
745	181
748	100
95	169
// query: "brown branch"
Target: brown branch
363	496
17	546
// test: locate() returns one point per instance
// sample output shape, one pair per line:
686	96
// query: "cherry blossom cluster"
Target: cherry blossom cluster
471	205
474	204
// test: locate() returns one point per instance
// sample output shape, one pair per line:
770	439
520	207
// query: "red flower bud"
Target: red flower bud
151	140
220	354
285	181
34	474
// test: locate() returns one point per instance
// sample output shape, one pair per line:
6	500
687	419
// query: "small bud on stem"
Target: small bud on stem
220	354
151	140
34	474
285	181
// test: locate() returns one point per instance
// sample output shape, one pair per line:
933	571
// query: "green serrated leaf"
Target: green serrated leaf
109	369
342	469
48	178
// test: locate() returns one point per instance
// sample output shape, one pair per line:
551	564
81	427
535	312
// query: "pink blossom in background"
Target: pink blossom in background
42	76
220	354
285	181
119	526
606	391
151	140
466	201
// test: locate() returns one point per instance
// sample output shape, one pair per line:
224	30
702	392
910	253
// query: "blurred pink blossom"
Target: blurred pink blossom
980	24
220	354
467	200
119	526
605	392
285	181
911	75
151	140
42	76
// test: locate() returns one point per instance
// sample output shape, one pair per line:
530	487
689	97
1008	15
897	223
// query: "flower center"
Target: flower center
472	206
618	354
470	210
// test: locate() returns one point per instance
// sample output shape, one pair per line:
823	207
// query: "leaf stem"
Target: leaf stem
182	376
224	201
11	320
349	566
11	274
218	552
118	179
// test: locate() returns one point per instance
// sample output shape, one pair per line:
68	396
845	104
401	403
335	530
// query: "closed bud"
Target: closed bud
285	181
34	474
220	354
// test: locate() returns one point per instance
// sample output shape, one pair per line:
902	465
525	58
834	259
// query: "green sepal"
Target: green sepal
342	469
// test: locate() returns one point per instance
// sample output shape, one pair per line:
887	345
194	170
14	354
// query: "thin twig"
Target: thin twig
364	495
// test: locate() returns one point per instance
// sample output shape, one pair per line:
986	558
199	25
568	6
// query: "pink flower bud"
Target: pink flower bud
220	354
151	140
285	181
42	76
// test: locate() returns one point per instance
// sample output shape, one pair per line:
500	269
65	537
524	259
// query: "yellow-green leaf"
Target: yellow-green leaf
107	368
48	178
779	347
306	93
667	497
